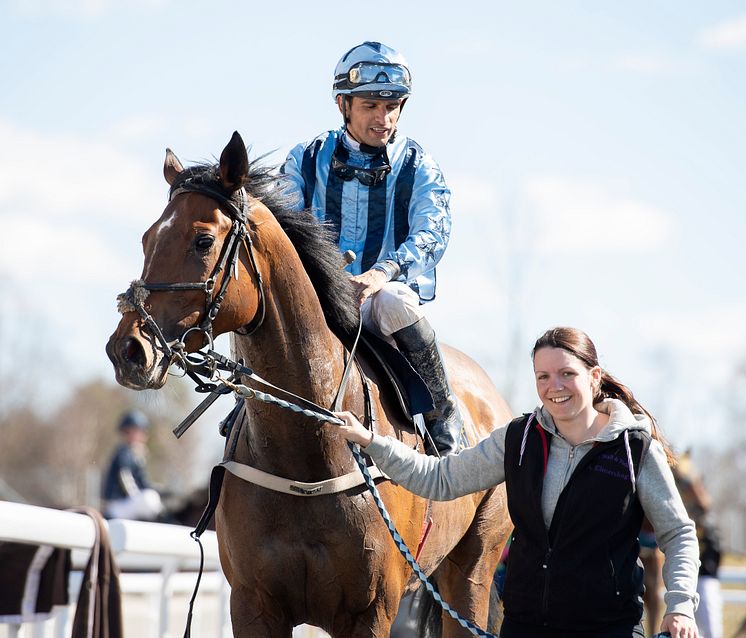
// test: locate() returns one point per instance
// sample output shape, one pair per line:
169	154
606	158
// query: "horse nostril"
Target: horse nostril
133	352
110	352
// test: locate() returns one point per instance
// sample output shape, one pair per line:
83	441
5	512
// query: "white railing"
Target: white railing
733	575
154	597
170	557
160	553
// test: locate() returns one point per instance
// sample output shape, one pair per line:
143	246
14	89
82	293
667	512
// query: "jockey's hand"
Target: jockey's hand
679	626
352	430
368	283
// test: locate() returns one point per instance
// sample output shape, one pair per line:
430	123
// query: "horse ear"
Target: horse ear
171	166
234	164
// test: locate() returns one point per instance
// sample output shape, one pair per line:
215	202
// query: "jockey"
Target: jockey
388	202
127	492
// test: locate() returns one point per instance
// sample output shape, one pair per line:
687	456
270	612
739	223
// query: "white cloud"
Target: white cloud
197	127
137	127
469	45
646	63
651	64
573	215
472	194
730	34
64	177
692	357
477	234
78	8
64	254
475	207
72	213
714	331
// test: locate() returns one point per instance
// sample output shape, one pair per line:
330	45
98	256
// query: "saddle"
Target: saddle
411	391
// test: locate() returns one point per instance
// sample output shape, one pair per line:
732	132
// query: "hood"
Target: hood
620	419
621	422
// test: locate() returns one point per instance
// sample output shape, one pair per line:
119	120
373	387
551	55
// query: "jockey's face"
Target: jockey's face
135	436
371	122
565	385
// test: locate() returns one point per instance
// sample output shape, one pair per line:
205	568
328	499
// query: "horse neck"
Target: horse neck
295	350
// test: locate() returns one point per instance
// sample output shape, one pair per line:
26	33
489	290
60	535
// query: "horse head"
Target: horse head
199	279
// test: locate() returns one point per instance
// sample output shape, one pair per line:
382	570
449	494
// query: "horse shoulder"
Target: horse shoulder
485	406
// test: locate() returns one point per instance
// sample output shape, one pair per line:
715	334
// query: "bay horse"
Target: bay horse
327	560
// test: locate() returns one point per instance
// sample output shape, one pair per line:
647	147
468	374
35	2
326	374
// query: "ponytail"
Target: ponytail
611	388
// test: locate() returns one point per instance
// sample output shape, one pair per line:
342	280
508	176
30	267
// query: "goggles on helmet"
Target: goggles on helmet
374	73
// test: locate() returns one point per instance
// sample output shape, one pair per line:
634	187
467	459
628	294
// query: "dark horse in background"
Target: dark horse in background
698	505
328	560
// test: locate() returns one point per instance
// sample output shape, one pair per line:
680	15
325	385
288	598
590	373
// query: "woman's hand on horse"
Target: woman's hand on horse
679	626
353	430
367	284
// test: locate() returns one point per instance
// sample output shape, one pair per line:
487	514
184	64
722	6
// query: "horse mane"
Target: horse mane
313	240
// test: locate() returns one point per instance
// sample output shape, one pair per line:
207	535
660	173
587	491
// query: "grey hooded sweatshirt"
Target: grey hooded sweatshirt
482	467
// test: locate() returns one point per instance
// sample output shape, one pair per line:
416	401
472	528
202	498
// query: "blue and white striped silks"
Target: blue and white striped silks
405	219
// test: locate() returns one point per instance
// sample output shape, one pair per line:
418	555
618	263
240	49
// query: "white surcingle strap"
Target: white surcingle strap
298	488
630	465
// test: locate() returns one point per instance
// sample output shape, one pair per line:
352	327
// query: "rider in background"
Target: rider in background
127	491
581	471
387	201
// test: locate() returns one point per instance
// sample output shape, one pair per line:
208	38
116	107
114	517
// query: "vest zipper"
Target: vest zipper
569	468
545	594
613	578
547	556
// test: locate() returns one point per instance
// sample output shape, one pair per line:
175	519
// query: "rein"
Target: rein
322	414
312	410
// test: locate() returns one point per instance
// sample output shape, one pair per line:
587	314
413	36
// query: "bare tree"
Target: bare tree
56	460
724	467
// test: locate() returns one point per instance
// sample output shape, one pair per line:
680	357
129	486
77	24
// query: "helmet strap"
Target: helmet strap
396	130
346	104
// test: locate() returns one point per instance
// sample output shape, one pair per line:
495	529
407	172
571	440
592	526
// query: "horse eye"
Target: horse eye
203	243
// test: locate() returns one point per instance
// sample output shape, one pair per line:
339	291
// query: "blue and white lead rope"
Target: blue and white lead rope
247	392
402	546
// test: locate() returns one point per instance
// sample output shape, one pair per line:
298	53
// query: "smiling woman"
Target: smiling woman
566	389
581	471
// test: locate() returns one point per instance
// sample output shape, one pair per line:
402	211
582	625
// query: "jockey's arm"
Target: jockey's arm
429	223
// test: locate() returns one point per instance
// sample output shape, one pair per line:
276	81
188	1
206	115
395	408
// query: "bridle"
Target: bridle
202	365
236	206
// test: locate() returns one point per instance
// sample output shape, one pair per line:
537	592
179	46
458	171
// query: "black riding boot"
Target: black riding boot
417	343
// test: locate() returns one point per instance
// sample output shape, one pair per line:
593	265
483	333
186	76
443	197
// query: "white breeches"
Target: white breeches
392	308
709	614
144	505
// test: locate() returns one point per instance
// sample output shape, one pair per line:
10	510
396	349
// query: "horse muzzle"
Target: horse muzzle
138	364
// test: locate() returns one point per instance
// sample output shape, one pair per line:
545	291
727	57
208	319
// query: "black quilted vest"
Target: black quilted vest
584	573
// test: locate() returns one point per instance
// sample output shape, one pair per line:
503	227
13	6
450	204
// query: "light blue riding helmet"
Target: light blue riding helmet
372	70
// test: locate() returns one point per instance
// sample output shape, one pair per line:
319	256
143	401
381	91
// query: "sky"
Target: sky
594	150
